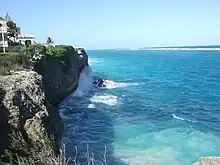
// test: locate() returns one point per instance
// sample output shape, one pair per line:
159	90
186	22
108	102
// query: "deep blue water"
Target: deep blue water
165	109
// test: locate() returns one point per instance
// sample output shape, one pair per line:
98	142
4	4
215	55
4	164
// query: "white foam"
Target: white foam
91	106
176	117
105	99
84	82
92	61
111	84
179	118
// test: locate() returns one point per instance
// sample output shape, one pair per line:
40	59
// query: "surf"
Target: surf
84	82
183	119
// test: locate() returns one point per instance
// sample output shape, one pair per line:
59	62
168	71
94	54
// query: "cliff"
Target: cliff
29	99
60	75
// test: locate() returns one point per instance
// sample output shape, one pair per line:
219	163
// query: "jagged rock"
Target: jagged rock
26	110
208	161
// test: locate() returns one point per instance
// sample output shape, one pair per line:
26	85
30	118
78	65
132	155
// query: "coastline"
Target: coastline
33	81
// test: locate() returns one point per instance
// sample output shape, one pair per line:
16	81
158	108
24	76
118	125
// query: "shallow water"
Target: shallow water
161	108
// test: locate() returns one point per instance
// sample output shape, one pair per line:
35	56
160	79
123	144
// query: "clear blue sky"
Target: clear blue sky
96	24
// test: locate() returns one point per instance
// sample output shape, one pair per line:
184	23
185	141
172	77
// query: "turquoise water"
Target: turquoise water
163	110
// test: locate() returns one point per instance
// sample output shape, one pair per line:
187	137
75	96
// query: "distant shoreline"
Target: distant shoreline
174	48
205	47
201	46
183	49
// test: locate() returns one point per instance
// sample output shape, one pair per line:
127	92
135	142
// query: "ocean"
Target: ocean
160	107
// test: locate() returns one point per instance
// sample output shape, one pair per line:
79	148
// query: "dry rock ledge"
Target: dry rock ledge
29	100
208	161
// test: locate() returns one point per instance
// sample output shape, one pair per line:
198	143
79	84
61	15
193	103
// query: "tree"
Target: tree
11	29
49	41
11	25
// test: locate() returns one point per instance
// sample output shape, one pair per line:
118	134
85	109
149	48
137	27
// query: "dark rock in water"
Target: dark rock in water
100	83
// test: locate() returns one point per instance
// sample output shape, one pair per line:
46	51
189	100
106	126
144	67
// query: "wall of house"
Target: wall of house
3	22
22	41
3	35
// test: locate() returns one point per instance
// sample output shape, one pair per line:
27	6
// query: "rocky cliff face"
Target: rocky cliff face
27	113
29	99
60	75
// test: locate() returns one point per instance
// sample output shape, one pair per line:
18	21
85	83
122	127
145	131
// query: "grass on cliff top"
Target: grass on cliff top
19	152
12	61
38	50
42	153
22	59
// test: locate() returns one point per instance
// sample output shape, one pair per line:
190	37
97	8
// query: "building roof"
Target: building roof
2	18
7	17
25	36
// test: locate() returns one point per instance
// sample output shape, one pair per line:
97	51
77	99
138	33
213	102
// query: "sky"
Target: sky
107	24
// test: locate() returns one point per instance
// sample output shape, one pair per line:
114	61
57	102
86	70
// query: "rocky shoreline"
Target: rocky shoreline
29	100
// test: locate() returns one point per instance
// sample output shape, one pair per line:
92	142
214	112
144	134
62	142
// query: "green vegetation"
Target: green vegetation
17	60
38	50
12	61
42	153
36	153
49	41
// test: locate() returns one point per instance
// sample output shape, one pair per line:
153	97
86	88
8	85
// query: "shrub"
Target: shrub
58	50
49	50
21	59
12	61
34	50
40	153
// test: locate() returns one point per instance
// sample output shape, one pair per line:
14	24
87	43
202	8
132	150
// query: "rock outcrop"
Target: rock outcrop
29	99
60	75
208	161
26	111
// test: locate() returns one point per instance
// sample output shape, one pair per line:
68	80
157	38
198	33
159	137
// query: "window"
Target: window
4	35
1	39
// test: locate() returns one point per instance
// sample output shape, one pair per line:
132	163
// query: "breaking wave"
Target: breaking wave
87	77
85	82
105	99
111	84
179	118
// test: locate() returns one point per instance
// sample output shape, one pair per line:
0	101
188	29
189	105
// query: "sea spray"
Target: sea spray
105	99
85	82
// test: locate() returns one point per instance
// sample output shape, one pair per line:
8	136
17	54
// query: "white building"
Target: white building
3	35
21	38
